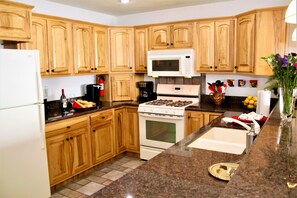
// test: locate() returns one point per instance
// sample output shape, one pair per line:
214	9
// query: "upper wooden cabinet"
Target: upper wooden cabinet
171	36
60	46
122	87
215	45
245	43
121	49
100	49
141	48
15	21
82	48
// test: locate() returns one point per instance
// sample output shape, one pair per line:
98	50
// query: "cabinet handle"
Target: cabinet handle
130	67
216	67
167	44
145	67
189	117
92	68
95	68
172	44
47	70
103	117
71	138
67	139
53	70
235	67
94	130
68	127
210	67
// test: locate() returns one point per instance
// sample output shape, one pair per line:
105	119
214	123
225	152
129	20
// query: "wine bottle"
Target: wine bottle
63	101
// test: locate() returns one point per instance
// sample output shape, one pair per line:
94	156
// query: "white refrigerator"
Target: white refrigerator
23	158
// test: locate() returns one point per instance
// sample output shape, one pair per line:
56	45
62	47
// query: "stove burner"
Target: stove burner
159	102
179	103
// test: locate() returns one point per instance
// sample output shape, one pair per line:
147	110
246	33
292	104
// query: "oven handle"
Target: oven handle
157	116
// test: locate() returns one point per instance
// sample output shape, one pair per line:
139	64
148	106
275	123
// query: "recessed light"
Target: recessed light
125	1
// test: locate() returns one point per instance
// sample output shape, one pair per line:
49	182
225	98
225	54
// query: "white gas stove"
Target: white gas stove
161	121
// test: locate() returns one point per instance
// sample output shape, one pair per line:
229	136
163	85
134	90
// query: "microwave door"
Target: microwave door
166	66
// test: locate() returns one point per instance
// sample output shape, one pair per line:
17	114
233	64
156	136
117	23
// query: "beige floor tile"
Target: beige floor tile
73	186
90	188
106	170
57	195
117	167
69	193
96	179
98	173
114	175
133	164
82	182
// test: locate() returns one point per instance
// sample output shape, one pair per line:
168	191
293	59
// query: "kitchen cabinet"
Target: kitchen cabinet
215	45
178	35
82	48
102	136
15	21
245	43
132	129
100	49
68	148
60	46
122	87
197	119
141	48
121	49
120	124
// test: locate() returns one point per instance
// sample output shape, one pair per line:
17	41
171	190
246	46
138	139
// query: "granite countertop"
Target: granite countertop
181	171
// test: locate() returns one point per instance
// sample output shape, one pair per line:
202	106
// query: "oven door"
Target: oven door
160	131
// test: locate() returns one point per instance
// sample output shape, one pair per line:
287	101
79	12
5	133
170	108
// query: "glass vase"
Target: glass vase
286	103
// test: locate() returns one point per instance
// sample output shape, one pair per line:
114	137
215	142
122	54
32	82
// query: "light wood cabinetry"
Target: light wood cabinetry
82	48
122	87
141	48
197	119
102	136
132	129
119	123
215	45
245	43
60	47
68	148
121	49
171	36
100	49
15	21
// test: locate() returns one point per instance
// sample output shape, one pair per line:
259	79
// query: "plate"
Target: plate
84	109
223	171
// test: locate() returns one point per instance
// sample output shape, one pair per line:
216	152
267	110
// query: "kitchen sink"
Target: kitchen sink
219	139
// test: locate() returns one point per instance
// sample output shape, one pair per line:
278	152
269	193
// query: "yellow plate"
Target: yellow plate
223	171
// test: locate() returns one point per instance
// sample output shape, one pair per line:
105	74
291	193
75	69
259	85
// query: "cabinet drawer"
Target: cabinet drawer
102	116
64	126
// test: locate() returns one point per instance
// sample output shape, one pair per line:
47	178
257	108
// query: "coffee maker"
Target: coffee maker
93	93
146	91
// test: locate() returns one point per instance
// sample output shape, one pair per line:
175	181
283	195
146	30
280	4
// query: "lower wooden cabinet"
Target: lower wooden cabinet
68	148
132	129
102	136
197	119
119	123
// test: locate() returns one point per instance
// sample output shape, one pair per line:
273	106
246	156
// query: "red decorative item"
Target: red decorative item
262	121
101	83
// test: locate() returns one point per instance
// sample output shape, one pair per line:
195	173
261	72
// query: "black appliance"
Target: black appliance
93	93
146	91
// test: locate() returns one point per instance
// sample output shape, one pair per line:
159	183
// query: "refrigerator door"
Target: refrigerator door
20	80
23	157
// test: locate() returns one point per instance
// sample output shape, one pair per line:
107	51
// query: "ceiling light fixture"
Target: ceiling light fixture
291	13
125	1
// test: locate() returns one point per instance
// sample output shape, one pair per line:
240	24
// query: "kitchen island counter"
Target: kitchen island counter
181	171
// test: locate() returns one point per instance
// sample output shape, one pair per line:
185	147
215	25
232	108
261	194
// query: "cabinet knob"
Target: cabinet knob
216	67
94	130
172	44
145	67
95	68
189	117
67	139
53	70
210	67
71	138
92	68
68	127
167	44
130	67
103	117
235	67
47	70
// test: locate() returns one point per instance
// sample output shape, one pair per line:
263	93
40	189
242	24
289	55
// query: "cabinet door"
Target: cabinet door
60	47
160	37
82	48
15	21
224	45
141	48
100	49
195	120
245	43
205	46
182	35
132	129
122	52
211	116
123	87
58	158
79	150
120	140
102	141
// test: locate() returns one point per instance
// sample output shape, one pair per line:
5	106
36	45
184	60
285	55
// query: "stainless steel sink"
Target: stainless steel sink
219	139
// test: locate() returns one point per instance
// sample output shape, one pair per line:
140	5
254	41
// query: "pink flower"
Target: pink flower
295	65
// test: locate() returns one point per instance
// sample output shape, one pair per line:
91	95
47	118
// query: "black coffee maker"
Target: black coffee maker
93	93
146	91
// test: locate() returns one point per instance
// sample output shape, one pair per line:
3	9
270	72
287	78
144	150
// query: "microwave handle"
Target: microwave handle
148	115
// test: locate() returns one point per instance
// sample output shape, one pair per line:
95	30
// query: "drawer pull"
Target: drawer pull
68	127
103	117
67	139
71	138
94	130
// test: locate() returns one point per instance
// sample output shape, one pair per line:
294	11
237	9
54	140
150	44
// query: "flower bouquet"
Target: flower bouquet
218	90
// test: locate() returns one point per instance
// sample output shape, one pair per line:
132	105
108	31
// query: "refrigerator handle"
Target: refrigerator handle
38	77
42	126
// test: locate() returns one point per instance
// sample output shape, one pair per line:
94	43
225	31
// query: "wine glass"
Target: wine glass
71	99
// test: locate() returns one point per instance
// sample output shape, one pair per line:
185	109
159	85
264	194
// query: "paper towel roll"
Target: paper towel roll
263	104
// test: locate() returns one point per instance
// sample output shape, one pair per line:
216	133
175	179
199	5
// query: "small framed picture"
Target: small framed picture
254	83
230	83
241	83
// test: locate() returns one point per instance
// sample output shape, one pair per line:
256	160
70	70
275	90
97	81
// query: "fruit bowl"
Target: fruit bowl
250	103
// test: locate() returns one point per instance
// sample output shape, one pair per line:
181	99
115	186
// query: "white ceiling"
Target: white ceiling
114	7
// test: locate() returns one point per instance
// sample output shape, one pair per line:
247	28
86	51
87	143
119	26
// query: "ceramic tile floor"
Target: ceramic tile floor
98	179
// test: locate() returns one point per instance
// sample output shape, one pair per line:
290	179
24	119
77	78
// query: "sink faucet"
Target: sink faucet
256	125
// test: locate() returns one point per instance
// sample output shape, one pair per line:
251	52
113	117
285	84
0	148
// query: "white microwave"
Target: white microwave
177	63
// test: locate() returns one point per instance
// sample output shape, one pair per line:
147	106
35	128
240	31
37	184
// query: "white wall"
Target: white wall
74	86
229	8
